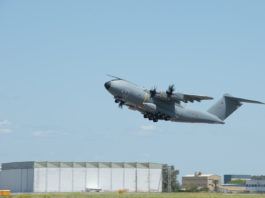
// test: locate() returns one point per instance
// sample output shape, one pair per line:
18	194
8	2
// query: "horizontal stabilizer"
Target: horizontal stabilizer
242	99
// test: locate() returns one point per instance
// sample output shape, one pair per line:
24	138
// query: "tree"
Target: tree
169	175
237	181
215	182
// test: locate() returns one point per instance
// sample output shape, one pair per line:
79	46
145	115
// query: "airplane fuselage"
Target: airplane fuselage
138	98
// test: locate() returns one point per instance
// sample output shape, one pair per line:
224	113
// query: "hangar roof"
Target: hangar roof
32	164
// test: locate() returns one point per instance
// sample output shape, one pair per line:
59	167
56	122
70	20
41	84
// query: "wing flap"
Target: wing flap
191	98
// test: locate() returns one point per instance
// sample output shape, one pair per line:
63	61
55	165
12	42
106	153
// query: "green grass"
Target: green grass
132	195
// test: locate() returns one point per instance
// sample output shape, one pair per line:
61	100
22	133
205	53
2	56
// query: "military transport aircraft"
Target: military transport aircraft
165	105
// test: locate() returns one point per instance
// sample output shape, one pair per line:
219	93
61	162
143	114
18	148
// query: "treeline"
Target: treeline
170	182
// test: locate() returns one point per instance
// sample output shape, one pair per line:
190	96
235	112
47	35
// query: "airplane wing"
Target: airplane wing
178	97
192	98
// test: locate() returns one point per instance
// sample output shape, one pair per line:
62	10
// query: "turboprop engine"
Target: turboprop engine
166	95
173	97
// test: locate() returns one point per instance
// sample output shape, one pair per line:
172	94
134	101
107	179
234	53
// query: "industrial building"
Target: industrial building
255	186
228	178
201	180
41	177
238	188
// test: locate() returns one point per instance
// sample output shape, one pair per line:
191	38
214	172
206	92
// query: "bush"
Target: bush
237	181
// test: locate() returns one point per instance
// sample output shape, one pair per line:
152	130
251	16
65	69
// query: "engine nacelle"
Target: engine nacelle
150	107
177	96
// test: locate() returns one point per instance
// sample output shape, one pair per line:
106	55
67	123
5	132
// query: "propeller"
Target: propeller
170	90
153	92
121	104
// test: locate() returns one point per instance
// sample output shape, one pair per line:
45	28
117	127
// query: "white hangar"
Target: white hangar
81	176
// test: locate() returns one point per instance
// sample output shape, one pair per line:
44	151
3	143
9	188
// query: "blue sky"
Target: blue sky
54	57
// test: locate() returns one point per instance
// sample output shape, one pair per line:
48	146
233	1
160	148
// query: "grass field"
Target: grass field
114	195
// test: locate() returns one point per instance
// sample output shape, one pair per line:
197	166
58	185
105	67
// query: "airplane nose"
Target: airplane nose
107	85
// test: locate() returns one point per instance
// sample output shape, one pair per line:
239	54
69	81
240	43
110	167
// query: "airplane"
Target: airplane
166	105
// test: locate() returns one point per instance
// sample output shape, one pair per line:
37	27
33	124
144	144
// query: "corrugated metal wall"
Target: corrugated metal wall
77	177
107	179
18	180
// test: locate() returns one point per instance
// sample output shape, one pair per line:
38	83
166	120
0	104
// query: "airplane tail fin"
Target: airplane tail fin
227	105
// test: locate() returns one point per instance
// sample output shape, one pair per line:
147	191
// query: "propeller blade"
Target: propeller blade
121	104
170	90
153	92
